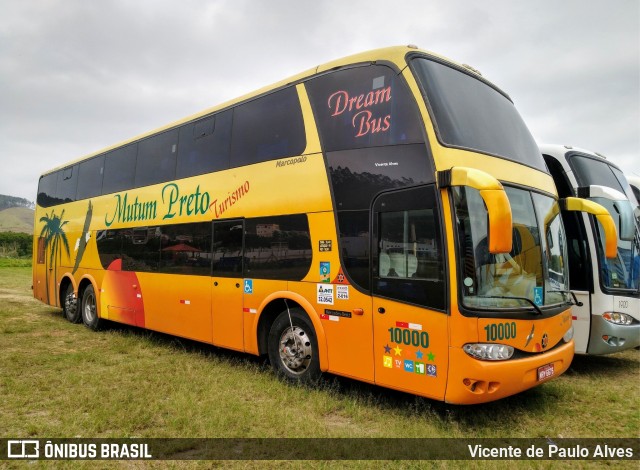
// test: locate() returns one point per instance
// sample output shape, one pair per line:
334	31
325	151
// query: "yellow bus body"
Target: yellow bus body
353	337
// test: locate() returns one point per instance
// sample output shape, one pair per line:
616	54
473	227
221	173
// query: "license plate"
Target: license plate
546	371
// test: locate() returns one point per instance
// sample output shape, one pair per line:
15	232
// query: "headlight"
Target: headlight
568	335
618	318
488	351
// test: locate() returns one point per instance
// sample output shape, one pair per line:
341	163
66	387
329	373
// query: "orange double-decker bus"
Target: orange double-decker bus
386	217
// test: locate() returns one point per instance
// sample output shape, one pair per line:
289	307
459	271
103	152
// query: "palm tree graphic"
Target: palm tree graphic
54	239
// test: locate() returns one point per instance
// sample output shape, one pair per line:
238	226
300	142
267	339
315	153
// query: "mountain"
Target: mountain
16	219
7	202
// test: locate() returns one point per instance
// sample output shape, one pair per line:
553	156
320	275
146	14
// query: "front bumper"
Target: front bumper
474	381
618	337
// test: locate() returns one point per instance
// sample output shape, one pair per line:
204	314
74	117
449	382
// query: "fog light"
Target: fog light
618	318
613	341
568	336
489	351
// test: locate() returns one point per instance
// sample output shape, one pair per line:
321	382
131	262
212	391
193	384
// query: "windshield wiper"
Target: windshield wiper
537	309
576	302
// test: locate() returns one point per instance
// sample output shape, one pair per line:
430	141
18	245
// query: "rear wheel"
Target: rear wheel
90	309
70	306
293	347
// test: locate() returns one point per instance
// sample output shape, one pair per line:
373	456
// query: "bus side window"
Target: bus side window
156	160
268	128
68	184
119	169
228	250
47	195
203	146
90	177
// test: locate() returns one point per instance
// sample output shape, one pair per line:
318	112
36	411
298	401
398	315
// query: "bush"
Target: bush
15	245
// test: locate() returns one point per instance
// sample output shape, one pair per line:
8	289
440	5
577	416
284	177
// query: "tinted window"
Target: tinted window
67	184
109	244
119	169
173	249
364	107
141	249
186	249
636	192
590	171
471	114
90	177
358	175
204	145
354	245
268	128
409	257
624	184
156	160
47	190
277	247
227	248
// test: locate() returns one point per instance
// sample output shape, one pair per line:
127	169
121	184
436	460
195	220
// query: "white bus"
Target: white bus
634	184
607	315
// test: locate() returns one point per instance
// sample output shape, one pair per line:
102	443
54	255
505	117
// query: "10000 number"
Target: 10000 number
409	337
499	331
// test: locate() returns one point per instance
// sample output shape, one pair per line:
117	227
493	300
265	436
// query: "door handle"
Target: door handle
215	283
237	284
381	310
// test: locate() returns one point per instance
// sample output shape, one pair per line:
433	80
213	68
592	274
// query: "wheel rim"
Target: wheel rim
90	308
295	350
70	304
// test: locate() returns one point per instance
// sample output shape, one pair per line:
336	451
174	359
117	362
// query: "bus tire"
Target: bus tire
70	306
89	309
294	354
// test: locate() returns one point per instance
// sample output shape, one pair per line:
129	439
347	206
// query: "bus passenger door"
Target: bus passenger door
409	304
227	288
581	314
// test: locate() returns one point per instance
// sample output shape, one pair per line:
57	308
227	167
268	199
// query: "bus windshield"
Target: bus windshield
533	274
471	114
623	271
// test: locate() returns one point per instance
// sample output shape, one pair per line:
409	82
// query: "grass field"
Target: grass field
62	380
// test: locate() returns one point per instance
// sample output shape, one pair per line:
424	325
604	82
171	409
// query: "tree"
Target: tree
54	238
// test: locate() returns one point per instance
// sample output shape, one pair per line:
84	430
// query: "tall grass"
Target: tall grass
15	262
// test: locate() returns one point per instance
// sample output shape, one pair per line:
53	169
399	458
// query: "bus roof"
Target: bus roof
561	150
395	54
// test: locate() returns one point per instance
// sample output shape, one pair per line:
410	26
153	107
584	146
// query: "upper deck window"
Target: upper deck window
470	114
590	171
267	128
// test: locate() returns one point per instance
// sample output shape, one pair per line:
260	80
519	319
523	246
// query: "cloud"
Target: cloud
76	76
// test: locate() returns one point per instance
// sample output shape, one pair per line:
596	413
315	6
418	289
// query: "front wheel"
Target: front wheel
293	347
89	309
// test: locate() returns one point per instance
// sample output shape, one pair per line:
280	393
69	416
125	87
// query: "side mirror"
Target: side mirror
602	215
499	230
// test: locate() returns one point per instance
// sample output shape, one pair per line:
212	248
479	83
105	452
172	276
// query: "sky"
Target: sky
77	76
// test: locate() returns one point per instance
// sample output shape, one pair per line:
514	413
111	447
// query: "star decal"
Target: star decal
387	349
431	357
419	354
398	351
